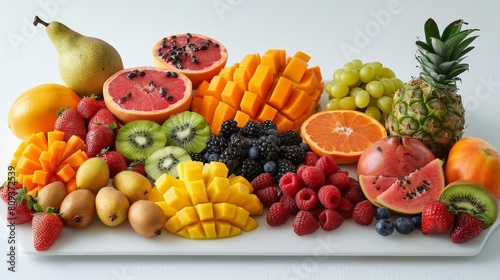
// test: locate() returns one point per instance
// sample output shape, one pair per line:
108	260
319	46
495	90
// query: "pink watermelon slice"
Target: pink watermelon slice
375	185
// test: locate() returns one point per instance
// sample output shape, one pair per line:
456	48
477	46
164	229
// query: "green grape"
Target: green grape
336	74
386	73
389	87
349	77
373	101
374	112
362	98
328	86
375	89
339	90
398	84
384	103
376	66
349	66
357	63
348	103
333	104
354	91
366	74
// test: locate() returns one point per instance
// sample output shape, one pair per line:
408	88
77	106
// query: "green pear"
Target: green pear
85	63
111	206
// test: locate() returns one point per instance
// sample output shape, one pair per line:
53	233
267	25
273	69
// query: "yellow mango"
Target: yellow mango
173	224
165	182
250	225
223	229
177	198
233	231
155	195
190	170
233	179
196	231
238	194
205	211
224	211
214	169
197	191
187	216
218	190
240	217
253	205
167	209
209	229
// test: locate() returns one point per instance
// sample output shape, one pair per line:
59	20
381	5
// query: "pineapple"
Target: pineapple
429	107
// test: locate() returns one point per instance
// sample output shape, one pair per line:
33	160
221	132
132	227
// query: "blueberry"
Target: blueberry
213	157
382	213
416	220
254	152
384	227
271	167
404	225
305	147
274	138
272	131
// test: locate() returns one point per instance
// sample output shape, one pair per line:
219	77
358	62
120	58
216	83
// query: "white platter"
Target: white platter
348	240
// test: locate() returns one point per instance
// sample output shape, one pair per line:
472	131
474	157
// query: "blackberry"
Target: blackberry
229	128
294	153
231	157
197	156
268	127
289	138
250	169
268	150
251	129
284	166
215	144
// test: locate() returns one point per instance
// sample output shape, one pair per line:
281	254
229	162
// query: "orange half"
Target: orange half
343	134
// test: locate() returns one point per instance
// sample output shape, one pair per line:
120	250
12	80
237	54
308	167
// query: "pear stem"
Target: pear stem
39	20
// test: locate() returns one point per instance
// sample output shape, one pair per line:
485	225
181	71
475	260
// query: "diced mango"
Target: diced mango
205	211
251	104
267	112
196	231
241	77
281	93
295	104
189	170
238	194
214	169
155	195
240	217
224	211
165	182
187	216
222	113
234	231
177	198
167	209
173	224
223	229
250	63
250	225
282	122
209	229
233	179
197	191
301	55
232	94
295	69
253	205
241	118
261	81
208	107
272	59
228	72
218	190
216	86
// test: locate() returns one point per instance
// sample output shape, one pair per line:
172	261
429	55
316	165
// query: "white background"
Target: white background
332	32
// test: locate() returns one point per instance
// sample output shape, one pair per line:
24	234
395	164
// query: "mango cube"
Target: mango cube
197	191
209	228
224	211
205	211
190	170
177	198
165	182
173	224
233	179
253	205
155	195
238	194
212	170
167	209
223	229
250	225
196	231
240	217
218	190
188	216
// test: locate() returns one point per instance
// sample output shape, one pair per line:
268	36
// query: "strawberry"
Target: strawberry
103	117
116	162
138	166
363	213
99	138
47	227
88	106
465	228
20	204
304	223
277	214
436	218
8	191
71	123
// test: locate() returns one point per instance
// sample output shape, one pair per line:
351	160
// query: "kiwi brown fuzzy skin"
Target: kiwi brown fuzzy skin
472	197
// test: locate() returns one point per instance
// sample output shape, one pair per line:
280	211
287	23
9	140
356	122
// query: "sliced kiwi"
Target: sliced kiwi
165	160
137	140
470	197
188	130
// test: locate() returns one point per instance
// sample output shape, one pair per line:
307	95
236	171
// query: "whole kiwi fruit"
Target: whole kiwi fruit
52	195
78	208
146	218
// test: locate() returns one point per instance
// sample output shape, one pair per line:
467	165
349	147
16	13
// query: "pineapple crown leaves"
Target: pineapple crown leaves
441	55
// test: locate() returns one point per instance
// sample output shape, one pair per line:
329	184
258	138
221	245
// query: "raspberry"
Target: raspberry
345	208
290	183
313	177
299	171
304	223
317	210
268	196
310	159
277	214
327	165
354	194
363	213
289	202
306	199
262	181
329	196
338	179
330	219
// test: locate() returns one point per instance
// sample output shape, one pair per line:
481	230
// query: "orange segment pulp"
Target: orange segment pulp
343	134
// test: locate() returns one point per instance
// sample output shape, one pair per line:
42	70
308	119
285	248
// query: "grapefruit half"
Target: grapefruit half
147	93
197	56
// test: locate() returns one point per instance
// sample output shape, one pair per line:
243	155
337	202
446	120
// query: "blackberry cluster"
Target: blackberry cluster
255	148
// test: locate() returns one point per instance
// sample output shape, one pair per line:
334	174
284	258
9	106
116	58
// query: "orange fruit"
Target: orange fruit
199	57
147	93
343	134
35	110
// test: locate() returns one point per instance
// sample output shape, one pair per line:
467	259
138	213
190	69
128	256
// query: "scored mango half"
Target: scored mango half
204	203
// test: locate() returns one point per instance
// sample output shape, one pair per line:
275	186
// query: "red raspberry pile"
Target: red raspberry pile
318	195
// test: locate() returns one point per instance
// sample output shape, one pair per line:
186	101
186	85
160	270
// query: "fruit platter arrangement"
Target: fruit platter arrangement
194	155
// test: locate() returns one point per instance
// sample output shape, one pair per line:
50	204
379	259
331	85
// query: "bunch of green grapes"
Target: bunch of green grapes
367	87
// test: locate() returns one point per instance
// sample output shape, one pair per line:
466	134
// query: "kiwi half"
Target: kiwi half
137	140
188	130
469	196
165	160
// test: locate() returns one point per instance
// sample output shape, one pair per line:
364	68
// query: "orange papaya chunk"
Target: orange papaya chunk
317	72
232	94
241	118
222	113
297	104
250	104
196	104
295	69
272	58
282	122
216	86
228	72
241	78
280	93
309	82
267	113
250	63
208	107
201	90
305	57
261	81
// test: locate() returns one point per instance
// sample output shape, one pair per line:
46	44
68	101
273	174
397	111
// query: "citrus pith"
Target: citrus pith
343	134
